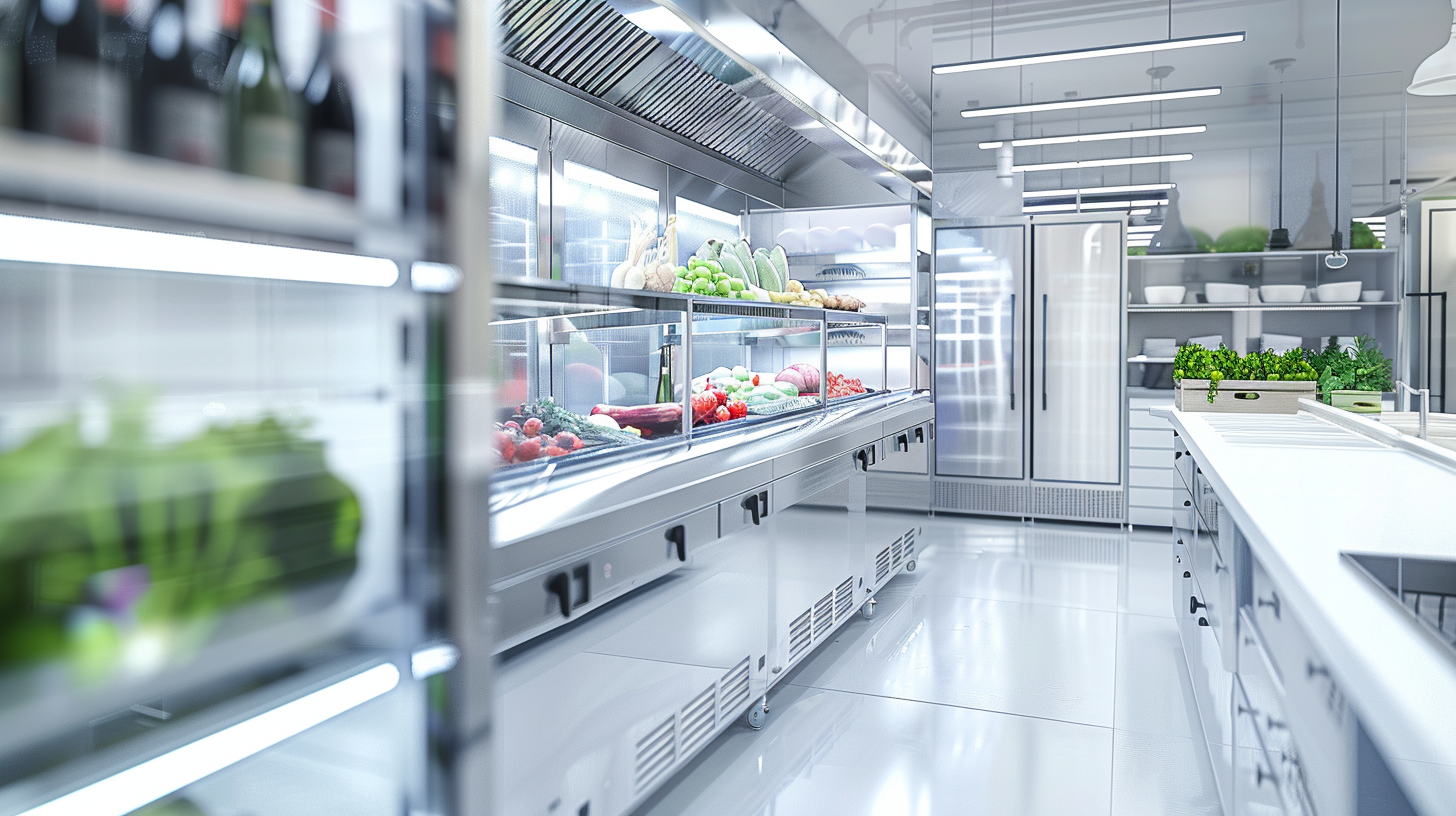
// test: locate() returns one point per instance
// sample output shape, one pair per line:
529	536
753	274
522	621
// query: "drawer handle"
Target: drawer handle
1194	605
919	436
902	442
1272	603
864	461
750	503
1312	671
678	536
1177	454
560	586
1260	775
1202	621
1187	574
1219	567
1187	503
1271	724
1252	712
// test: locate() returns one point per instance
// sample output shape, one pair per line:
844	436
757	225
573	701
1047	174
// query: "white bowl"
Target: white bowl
1346	292
1280	343
819	239
1372	295
846	239
1164	295
1226	293
791	240
880	236
1282	293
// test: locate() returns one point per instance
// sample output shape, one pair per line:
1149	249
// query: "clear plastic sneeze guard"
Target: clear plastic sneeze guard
750	363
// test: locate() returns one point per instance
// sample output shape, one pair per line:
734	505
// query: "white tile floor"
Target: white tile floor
1021	670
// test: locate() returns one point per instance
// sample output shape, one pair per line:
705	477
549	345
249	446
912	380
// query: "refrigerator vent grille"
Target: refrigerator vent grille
882	565
823	615
844	599
1091	504
655	753
898	492
592	47
897	552
909	544
697	720
733	689
799	635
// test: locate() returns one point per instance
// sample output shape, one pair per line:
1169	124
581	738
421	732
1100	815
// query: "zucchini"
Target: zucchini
734	268
767	276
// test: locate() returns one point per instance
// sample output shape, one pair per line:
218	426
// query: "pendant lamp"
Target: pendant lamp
1279	236
1337	257
1437	75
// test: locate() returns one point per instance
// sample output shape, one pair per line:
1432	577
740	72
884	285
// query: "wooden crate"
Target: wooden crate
1243	396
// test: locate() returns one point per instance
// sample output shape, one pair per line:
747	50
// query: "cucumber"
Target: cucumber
780	263
744	253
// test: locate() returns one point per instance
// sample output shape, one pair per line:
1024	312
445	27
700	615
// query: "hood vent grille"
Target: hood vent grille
591	47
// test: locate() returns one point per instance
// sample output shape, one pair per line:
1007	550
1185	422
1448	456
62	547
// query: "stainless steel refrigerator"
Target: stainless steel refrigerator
1030	382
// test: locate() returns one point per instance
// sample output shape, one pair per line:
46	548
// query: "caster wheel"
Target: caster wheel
757	716
909	566
867	609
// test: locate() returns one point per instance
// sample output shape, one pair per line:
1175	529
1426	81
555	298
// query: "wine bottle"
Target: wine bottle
80	58
265	127
181	77
12	50
331	153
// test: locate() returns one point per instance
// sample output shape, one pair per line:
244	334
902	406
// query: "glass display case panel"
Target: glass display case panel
599	212
978	411
696	223
751	363
855	354
580	380
200	475
514	207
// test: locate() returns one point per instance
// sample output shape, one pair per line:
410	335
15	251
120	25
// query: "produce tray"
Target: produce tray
1242	396
783	406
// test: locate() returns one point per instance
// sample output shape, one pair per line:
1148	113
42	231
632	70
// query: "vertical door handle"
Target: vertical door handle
902	442
920	436
678	535
864	460
1012	367
560	586
1045	303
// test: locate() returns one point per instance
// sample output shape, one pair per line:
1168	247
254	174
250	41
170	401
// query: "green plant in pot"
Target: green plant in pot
1353	381
1198	363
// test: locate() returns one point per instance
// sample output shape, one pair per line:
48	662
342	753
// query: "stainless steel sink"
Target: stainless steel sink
1424	587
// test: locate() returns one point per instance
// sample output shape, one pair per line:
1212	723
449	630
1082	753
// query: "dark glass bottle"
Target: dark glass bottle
265	128
81	61
331	153
180	91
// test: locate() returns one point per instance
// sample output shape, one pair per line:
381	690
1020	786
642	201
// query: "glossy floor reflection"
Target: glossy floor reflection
1023	669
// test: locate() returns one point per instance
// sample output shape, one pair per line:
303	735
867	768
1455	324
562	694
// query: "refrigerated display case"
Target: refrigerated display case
751	527
874	253
697	223
514	207
599	210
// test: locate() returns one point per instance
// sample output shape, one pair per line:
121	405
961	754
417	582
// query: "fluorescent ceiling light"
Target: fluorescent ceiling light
143	784
1088	53
426	276
1099	137
1073	165
1091	102
1086	191
69	243
1091	205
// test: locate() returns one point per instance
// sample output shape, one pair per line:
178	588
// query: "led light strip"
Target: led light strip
1089	53
41	240
142	784
1086	191
1073	165
1091	102
1099	137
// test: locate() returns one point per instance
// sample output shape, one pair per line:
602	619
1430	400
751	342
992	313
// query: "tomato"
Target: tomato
532	426
720	395
737	409
722	414
755	379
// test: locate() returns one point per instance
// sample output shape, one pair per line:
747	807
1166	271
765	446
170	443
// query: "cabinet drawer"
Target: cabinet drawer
737	513
1140	418
1182	461
1212	687
1255	775
1150	516
1160	477
1172	499
1149	438
1152	458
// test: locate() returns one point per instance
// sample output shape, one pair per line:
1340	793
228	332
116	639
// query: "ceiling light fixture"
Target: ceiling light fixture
1086	191
1098	137
1436	76
1074	165
1088	53
1091	102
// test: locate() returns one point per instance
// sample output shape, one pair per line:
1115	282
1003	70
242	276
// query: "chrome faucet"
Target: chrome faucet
1403	394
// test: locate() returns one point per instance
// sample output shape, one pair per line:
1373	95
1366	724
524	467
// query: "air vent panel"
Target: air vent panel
823	615
733	689
656	752
698	717
799	634
844	599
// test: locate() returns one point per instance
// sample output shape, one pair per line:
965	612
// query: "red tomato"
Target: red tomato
755	379
722	414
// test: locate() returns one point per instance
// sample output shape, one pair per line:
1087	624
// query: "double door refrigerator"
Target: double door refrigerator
1030	330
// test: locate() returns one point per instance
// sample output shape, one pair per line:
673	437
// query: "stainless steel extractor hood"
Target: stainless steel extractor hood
660	64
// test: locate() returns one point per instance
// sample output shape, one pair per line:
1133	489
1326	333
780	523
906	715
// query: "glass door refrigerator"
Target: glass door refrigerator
1029	380
219	553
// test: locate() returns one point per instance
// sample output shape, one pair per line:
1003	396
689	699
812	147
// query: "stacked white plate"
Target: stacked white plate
1210	342
1166	347
1280	343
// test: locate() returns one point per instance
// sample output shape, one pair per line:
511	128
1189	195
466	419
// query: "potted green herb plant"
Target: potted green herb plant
1353	380
1222	381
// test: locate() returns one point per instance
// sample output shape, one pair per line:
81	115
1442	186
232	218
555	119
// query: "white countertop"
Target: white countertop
1299	507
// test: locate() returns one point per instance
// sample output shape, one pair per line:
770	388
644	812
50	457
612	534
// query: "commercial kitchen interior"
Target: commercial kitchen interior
655	407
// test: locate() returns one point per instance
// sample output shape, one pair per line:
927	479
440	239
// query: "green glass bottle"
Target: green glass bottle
265	117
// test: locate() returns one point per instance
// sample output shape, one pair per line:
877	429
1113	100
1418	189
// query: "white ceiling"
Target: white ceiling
1383	42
